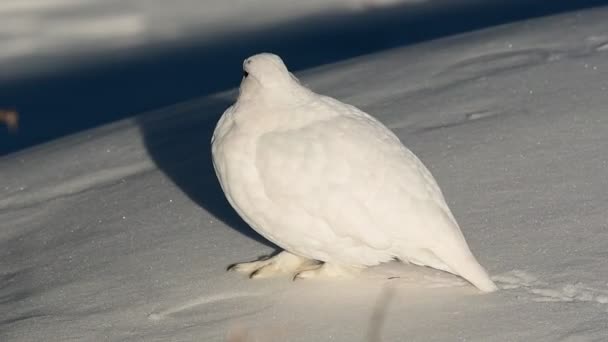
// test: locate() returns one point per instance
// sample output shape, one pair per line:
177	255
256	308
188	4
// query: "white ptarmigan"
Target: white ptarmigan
329	184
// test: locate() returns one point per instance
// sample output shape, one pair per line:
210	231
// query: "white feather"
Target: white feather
326	181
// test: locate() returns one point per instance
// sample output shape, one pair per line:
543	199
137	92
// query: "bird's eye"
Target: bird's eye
245	73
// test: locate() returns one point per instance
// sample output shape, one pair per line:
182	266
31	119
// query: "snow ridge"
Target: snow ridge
28	197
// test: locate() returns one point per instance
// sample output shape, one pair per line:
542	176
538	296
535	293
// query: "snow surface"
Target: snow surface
121	232
36	35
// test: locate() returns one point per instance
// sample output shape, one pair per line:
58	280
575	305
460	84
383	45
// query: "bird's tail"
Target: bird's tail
448	250
454	252
462	262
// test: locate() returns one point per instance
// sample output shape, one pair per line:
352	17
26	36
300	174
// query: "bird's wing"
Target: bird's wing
221	126
350	172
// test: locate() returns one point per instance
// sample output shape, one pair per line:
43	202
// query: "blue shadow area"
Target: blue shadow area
78	98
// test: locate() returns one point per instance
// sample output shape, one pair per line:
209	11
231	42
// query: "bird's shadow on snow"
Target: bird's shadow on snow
178	140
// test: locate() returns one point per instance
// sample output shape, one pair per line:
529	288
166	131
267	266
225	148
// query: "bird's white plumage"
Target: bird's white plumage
326	181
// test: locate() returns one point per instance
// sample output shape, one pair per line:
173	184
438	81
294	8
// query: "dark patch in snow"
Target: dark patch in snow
491	64
15	296
458	119
20	318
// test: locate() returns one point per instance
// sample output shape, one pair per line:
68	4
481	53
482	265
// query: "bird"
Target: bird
329	184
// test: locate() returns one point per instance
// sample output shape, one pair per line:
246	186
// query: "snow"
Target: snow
121	232
37	35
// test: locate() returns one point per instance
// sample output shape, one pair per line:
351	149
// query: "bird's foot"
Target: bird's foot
281	263
327	270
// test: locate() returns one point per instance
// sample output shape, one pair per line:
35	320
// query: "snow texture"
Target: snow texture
121	232
40	34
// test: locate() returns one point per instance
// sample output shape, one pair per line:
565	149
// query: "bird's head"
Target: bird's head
265	72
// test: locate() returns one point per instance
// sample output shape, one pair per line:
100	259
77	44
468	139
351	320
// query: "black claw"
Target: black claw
252	274
231	267
296	277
